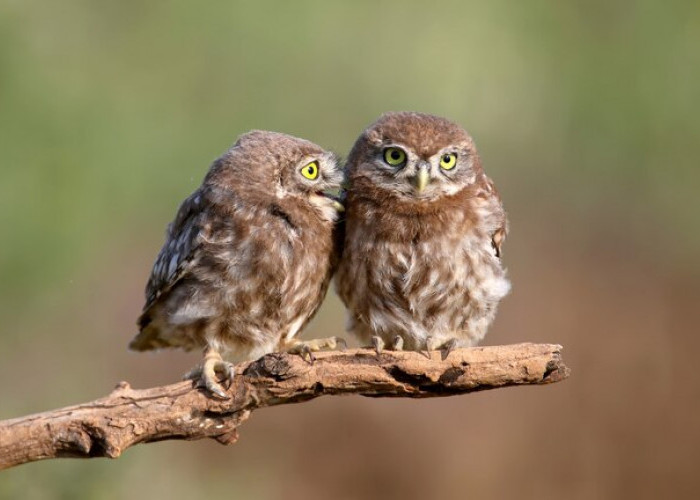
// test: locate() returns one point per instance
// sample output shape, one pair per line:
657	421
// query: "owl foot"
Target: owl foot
306	348
214	374
445	348
430	345
379	345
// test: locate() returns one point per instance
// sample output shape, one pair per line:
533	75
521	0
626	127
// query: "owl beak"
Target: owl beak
335	200
339	207
422	178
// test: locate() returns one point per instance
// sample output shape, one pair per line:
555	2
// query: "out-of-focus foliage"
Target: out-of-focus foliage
586	115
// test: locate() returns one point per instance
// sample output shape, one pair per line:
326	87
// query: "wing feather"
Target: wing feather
181	242
497	219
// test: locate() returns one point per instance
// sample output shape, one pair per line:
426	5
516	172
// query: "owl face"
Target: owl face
312	177
414	155
270	167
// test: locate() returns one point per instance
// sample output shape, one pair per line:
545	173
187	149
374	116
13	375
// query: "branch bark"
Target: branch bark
108	426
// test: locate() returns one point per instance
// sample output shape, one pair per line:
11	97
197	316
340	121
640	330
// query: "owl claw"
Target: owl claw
447	348
397	343
213	374
214	388
306	348
307	354
377	344
342	345
429	346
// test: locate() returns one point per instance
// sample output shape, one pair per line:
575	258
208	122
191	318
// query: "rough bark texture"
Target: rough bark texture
107	426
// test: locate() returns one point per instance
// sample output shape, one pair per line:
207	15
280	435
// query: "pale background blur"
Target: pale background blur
586	116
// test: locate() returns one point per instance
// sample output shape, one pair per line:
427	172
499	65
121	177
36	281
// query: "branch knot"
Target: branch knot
274	365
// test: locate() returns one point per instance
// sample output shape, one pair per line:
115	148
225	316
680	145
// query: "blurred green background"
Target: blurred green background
586	116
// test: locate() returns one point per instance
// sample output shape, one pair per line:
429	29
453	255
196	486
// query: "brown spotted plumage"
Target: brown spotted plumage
421	265
248	259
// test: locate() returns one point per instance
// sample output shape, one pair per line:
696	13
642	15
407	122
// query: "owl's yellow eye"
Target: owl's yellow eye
310	171
394	156
448	161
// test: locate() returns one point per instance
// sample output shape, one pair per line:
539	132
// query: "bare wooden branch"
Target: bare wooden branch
108	426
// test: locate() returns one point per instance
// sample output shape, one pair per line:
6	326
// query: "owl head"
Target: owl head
273	168
414	156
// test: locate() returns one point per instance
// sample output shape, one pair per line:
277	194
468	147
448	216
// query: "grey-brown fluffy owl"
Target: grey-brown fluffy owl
421	265
248	259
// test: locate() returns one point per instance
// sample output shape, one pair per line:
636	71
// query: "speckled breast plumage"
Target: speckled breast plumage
420	275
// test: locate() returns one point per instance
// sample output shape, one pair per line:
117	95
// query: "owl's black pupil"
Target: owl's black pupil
446	158
395	155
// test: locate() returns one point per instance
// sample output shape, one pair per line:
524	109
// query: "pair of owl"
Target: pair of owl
249	257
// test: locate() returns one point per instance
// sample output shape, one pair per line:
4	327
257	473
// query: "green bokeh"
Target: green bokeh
109	108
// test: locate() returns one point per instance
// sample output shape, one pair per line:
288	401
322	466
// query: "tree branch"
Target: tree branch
108	426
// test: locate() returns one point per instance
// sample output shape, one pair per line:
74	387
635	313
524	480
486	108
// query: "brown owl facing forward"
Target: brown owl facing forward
421	265
248	258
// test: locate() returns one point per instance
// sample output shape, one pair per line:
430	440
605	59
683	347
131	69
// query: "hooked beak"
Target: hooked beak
337	204
339	207
422	178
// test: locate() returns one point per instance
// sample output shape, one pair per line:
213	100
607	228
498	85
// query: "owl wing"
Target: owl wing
498	238
176	256
497	218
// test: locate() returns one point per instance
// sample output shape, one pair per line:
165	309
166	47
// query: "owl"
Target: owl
424	226
248	259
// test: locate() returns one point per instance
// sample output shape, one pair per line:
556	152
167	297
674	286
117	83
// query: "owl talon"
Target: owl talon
397	343
213	387
227	374
342	345
213	374
306	348
429	344
447	348
377	344
307	354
